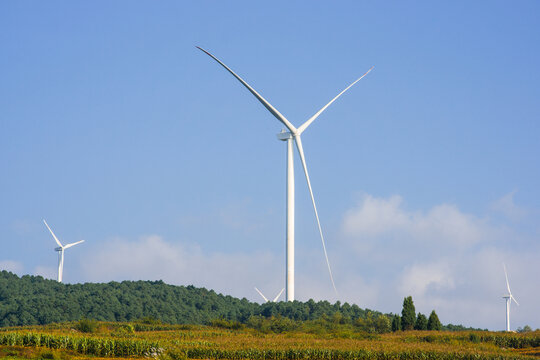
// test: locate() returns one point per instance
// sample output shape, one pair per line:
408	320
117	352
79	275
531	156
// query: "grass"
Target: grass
123	340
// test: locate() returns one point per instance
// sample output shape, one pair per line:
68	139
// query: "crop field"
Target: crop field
136	340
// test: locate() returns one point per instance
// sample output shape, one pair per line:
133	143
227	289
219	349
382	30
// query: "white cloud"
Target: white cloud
419	278
508	208
446	259
10	265
376	216
47	272
152	258
444	223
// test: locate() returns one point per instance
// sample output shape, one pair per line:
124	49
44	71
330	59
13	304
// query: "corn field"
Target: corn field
326	354
82	345
203	342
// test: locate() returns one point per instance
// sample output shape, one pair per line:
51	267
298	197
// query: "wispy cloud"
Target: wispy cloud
47	272
506	206
420	278
386	217
153	258
446	259
10	265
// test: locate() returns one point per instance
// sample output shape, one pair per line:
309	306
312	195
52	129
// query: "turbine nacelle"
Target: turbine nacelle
58	249
284	135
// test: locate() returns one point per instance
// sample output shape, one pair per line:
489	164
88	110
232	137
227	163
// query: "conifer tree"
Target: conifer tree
421	322
408	314
396	323
433	322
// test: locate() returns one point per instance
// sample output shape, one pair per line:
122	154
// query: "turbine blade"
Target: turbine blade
278	295
513	298
260	293
73	244
54	236
303	159
263	101
506	276
311	119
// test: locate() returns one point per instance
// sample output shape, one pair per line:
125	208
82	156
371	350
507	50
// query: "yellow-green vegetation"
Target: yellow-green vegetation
226	340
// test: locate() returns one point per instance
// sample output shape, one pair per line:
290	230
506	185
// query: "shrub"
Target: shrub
47	355
474	338
280	324
86	325
124	329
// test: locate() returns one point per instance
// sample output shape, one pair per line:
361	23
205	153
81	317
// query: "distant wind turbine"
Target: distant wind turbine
60	250
266	300
292	134
509	297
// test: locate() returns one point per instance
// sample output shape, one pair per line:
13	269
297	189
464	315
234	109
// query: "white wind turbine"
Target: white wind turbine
293	133
60	250
509	297
264	297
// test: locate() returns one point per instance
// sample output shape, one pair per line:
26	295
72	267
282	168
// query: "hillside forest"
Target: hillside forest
33	300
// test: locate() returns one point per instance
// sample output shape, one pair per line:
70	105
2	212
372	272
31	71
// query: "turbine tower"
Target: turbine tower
60	249
292	134
264	297
509	297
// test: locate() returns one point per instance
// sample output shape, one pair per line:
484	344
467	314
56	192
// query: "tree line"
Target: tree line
33	300
409	320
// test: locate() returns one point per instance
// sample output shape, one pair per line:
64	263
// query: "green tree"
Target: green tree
382	324
396	323
525	329
433	322
421	322
408	314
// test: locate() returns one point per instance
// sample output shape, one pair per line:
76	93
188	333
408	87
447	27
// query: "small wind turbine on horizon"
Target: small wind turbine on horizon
60	249
292	134
264	297
509	297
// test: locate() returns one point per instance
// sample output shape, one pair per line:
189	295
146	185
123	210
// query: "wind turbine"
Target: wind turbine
509	297
292	134
264	297
60	250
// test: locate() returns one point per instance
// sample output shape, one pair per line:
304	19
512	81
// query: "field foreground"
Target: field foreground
139	340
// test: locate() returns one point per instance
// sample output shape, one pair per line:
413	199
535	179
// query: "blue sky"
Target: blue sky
117	130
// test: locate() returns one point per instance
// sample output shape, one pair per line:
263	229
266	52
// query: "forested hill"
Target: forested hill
32	300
